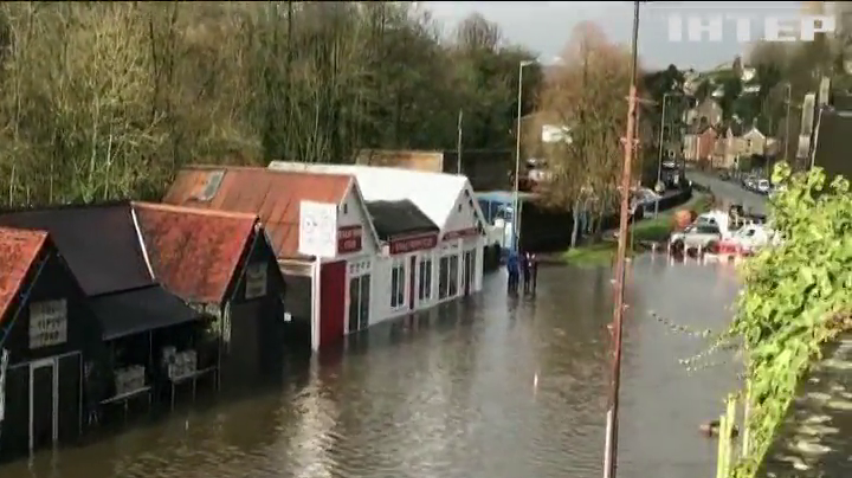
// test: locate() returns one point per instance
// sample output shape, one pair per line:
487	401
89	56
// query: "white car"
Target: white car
763	186
748	240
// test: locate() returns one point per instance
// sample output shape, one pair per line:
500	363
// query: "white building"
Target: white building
424	269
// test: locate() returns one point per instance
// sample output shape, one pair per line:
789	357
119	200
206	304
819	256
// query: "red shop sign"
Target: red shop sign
461	233
349	239
413	243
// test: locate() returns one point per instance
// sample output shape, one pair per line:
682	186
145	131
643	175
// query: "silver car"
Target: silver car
704	236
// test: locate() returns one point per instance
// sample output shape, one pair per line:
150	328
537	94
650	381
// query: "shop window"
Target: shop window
398	284
454	276
425	277
444	277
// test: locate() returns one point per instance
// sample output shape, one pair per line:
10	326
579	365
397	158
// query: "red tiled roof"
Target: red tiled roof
194	253
19	248
273	195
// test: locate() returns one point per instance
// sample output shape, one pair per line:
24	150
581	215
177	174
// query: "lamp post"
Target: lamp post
516	202
662	139
611	450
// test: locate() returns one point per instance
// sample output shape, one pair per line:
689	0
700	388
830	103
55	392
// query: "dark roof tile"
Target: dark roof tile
397	218
100	243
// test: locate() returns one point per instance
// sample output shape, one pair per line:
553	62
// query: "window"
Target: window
454	276
359	303
425	287
444	278
398	284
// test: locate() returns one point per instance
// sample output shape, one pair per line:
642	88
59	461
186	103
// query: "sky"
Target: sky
545	27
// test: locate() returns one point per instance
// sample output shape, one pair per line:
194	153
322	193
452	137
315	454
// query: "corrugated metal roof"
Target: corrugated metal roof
434	193
275	196
194	252
100	242
18	251
397	218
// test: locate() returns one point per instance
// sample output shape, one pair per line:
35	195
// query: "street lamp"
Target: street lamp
516	203
660	160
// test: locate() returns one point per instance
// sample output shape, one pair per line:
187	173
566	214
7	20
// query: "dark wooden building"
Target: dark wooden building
47	333
221	262
140	322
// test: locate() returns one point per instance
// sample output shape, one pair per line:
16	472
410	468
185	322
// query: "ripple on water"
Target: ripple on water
454	395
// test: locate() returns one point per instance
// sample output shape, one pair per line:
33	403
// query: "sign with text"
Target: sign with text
746	28
317	229
461	234
48	323
405	245
349	239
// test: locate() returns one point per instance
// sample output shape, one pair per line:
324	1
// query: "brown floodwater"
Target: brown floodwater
496	387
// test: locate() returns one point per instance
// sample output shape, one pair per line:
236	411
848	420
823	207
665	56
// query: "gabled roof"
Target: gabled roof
274	196
195	253
18	252
399	218
433	193
100	243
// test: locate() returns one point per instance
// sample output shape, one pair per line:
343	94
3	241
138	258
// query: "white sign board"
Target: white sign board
48	323
317	229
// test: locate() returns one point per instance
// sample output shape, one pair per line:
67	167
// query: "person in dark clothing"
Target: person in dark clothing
512	269
533	271
525	268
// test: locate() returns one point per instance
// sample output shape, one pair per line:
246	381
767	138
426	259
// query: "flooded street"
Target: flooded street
496	387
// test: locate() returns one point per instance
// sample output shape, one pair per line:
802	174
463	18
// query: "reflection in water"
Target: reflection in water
496	386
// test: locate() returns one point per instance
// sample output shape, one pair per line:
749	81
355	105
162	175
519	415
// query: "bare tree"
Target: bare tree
586	94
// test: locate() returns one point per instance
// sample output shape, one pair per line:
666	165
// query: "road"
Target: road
730	191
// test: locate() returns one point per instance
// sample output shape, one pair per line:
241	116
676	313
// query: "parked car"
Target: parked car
747	240
763	186
704	236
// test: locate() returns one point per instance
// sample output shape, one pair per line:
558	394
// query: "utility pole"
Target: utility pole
787	124
611	451
459	145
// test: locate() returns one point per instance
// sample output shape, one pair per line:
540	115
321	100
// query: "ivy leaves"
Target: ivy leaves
793	295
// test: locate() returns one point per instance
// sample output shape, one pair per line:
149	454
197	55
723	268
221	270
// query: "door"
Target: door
354	304
411	276
364	302
43	403
359	303
469	268
332	299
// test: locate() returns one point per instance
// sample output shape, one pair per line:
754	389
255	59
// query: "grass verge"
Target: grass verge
647	230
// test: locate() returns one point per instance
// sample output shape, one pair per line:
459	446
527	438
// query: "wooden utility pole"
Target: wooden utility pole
459	145
611	451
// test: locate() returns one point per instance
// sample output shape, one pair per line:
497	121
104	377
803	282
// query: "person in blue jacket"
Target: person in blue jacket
513	268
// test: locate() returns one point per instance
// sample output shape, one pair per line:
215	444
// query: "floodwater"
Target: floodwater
495	388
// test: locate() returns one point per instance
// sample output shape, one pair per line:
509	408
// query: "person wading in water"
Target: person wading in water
533	266
512	269
525	268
